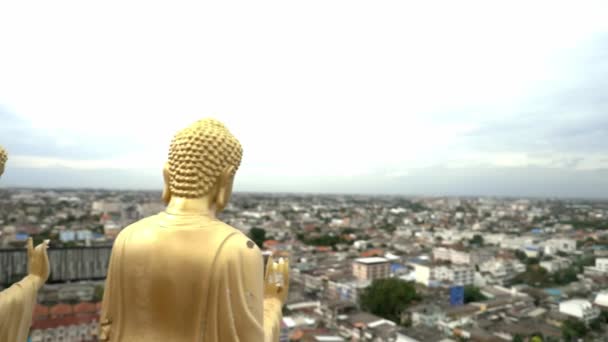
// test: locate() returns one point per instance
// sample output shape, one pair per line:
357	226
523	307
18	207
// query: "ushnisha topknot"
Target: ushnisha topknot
3	159
198	155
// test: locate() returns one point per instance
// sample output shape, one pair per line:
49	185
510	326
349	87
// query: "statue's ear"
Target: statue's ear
224	188
166	187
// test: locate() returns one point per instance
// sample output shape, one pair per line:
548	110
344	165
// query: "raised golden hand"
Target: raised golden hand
276	281
38	261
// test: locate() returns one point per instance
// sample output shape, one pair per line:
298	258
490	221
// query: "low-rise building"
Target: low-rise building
564	245
347	289
66	323
602	264
430	274
500	270
579	308
371	268
363	326
601	300
555	265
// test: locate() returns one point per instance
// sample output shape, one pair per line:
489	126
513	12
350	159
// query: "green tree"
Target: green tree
532	261
521	256
98	294
572	329
596	324
258	235
388	297
537	337
389	227
477	240
517	338
473	294
604	316
565	276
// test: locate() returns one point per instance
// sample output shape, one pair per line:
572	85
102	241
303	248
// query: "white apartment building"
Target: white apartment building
601	299
457	275
346	290
428	274
532	251
564	245
494	239
371	268
72	333
516	242
460	257
579	308
602	264
555	264
452	255
423	273
501	269
600	268
450	236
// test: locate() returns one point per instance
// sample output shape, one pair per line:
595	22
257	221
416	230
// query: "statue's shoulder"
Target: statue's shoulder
228	229
237	242
236	238
145	223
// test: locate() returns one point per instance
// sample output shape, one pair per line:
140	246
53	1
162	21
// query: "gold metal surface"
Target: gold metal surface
183	275
18	301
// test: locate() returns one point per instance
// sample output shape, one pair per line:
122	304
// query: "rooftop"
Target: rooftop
371	260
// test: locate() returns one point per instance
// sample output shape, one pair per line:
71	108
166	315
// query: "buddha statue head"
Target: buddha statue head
203	160
3	159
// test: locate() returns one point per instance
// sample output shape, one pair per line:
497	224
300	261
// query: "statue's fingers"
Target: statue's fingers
281	263
269	264
47	264
43	246
30	247
286	273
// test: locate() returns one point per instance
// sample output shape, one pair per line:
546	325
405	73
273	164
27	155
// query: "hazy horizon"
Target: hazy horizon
469	98
513	190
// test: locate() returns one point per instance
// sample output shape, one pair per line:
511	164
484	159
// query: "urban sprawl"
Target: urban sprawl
363	268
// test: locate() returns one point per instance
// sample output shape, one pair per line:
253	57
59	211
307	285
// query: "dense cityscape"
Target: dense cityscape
363	268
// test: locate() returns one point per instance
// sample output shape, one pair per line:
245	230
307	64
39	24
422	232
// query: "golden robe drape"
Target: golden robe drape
184	278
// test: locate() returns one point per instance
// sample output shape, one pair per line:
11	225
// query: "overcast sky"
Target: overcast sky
452	98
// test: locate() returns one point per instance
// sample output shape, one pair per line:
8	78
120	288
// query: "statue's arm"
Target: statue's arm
108	302
18	301
276	288
105	322
256	318
16	308
245	272
272	319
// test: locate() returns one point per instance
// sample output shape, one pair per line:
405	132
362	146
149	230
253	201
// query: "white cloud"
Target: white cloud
312	89
131	162
523	160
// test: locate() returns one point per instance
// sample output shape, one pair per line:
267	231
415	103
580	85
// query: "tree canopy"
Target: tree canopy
473	294
388	297
572	329
258	235
477	240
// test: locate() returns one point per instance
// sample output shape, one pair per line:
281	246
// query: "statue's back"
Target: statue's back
159	277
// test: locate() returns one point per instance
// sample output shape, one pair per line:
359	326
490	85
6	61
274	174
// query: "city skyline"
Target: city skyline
391	98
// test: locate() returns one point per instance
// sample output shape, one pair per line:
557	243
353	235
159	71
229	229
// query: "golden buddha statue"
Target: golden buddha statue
183	275
18	301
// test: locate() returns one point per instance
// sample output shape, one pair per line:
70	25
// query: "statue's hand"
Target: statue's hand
38	261
276	282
